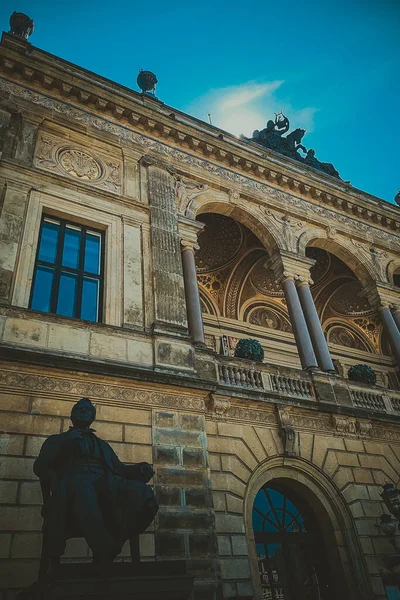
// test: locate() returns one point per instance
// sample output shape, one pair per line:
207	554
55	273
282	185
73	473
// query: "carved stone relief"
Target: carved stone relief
351	426
52	154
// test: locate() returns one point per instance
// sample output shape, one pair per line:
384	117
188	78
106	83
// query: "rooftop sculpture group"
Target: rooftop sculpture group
272	137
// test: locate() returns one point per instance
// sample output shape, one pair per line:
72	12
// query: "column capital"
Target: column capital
148	160
287	265
189	245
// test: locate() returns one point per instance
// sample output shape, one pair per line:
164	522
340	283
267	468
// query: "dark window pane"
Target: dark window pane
43	286
72	242
90	294
92	254
67	295
48	242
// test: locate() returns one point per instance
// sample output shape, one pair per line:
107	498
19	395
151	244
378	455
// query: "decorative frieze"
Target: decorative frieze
117	395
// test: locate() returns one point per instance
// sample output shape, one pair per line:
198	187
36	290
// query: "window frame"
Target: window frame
94	213
59	267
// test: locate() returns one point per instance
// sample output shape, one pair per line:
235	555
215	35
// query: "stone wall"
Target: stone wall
208	468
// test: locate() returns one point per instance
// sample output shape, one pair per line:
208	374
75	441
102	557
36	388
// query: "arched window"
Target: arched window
290	551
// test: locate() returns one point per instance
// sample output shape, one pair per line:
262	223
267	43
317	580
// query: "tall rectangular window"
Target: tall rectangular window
68	276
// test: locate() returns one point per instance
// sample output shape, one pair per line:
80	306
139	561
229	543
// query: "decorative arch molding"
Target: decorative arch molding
331	511
208	305
339	332
268	234
340	247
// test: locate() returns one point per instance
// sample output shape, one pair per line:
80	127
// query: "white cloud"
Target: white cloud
243	108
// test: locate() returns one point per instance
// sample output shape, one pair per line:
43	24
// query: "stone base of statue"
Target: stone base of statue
151	581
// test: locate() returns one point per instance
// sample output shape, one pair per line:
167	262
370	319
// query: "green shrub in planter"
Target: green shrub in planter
363	374
250	349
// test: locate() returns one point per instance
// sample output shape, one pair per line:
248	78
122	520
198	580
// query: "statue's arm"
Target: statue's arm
49	456
142	471
55	451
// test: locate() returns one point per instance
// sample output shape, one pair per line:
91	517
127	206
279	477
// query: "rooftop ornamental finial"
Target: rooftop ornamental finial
21	25
147	82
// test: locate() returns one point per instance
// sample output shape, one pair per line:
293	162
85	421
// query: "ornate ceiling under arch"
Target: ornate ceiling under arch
235	282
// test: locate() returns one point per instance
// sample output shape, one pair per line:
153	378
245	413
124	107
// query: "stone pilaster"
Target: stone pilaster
12	215
169	290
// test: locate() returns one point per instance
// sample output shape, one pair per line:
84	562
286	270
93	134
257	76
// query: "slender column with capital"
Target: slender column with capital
391	330
195	320
302	337
314	327
396	316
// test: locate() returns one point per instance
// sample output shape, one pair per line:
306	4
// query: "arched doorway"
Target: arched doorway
291	556
325	516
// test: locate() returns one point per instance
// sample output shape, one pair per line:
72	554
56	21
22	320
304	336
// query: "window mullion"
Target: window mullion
78	306
57	269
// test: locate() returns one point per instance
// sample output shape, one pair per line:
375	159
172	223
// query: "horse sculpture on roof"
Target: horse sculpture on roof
272	137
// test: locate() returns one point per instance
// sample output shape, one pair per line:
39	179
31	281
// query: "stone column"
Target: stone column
299	325
169	291
391	330
314	327
193	307
396	315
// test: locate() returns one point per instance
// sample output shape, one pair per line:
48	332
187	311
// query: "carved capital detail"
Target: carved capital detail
217	405
189	245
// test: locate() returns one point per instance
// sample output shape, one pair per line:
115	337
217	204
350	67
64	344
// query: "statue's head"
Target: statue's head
83	413
270	125
311	152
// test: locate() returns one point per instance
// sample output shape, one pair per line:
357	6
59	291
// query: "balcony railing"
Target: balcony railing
244	375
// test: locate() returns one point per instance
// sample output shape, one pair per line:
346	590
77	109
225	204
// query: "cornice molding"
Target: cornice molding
119	122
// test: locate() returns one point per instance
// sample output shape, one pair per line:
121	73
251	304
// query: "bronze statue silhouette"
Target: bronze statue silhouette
88	492
272	138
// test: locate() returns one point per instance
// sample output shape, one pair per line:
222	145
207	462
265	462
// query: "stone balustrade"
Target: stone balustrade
264	378
292	386
240	376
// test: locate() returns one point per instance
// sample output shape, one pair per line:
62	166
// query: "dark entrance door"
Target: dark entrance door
290	549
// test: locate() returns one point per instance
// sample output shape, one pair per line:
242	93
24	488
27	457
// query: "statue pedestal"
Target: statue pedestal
149	581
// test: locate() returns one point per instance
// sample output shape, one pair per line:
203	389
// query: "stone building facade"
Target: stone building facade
201	239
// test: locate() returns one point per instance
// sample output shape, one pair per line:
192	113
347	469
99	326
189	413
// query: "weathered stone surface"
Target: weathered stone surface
170	304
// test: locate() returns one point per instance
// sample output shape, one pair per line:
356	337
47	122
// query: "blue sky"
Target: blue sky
333	66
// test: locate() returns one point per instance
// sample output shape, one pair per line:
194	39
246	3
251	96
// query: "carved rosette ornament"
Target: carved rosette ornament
78	163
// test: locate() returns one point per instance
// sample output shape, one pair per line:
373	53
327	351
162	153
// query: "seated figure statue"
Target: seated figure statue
92	494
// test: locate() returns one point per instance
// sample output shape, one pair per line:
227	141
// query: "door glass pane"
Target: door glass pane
92	253
43	286
392	592
90	299
67	295
72	242
48	241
